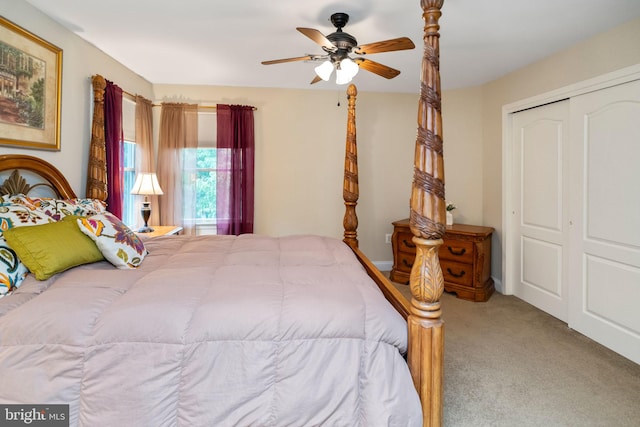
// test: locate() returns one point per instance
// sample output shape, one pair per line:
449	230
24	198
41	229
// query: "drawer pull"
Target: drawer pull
408	244
454	274
407	264
458	253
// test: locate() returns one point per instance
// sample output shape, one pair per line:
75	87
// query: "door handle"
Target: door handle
458	253
408	244
454	274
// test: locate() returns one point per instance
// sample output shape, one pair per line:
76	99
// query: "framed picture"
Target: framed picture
30	85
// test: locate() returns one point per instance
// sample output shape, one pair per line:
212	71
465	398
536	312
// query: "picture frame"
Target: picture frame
30	89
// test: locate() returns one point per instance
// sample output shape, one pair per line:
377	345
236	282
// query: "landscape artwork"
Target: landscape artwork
30	80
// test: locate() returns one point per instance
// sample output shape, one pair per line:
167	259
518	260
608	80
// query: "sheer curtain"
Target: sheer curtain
235	141
145	156
114	147
176	153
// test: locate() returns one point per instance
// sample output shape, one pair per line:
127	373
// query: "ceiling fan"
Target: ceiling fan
339	45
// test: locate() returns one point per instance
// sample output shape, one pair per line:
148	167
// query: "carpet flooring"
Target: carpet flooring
510	364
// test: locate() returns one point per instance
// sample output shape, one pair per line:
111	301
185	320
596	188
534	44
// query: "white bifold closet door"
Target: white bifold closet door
575	198
605	211
539	183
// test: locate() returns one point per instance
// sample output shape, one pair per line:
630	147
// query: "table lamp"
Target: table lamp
146	185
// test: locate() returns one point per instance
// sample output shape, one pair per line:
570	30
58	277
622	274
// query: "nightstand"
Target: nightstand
465	259
160	230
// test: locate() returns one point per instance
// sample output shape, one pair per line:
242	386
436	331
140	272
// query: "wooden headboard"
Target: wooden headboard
28	172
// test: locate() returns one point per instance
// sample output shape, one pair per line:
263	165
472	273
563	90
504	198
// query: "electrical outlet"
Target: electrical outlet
387	238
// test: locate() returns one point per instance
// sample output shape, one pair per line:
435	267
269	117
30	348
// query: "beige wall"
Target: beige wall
606	52
80	61
462	117
300	143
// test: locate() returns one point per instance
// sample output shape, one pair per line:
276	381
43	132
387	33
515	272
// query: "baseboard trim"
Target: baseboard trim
383	265
498	284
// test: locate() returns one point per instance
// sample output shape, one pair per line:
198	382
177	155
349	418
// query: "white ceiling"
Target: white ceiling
209	42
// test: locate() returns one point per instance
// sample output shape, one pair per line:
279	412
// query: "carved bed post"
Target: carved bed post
427	218
97	165
350	191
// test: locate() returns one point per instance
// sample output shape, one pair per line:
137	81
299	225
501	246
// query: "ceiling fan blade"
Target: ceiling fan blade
280	61
377	68
316	79
318	37
401	43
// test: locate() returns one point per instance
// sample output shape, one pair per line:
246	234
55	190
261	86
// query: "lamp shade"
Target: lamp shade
146	184
324	70
346	71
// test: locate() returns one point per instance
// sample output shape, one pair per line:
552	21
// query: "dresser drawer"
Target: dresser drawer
456	250
405	243
459	273
405	261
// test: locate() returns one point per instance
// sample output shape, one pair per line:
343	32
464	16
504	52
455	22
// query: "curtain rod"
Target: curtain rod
204	107
200	107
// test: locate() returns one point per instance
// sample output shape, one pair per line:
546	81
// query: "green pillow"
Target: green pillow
51	248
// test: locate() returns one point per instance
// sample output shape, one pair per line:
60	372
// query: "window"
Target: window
129	216
206	180
130	211
200	176
205	173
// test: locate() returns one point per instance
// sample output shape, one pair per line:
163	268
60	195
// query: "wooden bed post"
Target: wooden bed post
97	165
350	191
427	219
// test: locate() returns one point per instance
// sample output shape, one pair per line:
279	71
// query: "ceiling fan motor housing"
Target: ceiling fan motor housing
343	40
340	39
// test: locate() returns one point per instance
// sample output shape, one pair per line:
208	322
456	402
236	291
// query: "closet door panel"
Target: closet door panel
605	213
539	190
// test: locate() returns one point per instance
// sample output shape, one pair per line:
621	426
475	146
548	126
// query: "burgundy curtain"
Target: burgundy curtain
235	149
115	148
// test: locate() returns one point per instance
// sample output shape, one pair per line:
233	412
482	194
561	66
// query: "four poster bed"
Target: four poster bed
227	330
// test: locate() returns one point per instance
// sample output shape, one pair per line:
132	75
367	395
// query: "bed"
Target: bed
234	330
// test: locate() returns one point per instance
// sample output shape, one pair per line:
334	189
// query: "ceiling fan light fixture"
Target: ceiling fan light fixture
346	71
324	70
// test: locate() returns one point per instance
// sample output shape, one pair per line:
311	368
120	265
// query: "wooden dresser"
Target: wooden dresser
465	258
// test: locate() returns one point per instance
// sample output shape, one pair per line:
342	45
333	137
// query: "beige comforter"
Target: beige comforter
212	331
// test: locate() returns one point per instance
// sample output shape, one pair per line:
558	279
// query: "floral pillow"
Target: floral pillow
118	244
19	199
12	270
59	208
